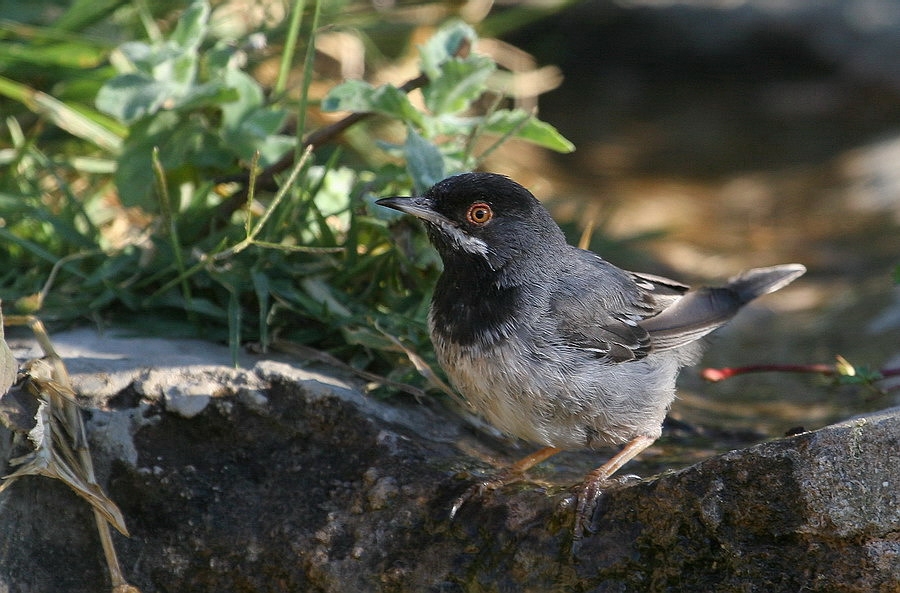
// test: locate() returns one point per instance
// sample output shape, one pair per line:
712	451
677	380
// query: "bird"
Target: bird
553	344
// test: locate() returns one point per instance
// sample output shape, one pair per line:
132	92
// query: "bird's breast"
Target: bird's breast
496	379
530	386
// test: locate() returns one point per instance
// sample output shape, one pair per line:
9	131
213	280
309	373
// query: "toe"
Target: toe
589	494
476	490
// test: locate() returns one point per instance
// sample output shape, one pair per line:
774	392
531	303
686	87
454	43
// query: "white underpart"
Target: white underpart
560	398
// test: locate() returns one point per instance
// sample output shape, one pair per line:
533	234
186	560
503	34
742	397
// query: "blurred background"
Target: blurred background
710	136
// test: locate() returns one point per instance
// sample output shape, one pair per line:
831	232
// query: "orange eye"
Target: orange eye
479	213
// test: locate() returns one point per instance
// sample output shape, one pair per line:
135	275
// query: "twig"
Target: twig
309	353
716	375
314	139
841	368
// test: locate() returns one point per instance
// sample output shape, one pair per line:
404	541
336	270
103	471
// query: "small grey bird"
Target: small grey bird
551	343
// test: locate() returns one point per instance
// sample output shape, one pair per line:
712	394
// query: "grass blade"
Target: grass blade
107	135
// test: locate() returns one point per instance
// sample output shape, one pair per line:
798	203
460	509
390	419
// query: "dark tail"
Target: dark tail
750	284
701	311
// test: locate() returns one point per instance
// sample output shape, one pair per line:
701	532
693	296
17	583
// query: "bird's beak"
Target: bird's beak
418	206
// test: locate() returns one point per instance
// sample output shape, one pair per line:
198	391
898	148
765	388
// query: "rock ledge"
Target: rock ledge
284	478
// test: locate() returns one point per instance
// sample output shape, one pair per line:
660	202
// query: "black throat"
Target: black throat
471	306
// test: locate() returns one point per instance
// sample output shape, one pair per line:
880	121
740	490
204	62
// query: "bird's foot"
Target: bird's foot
599	479
476	490
589	494
512	473
483	487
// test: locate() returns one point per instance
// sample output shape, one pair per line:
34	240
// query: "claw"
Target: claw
474	491
589	494
511	474
591	490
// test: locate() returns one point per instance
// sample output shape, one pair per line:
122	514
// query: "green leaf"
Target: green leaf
73	53
234	324
180	73
82	13
248	125
257	132
323	293
533	129
271	149
424	162
391	101
217	60
364	336
263	122
192	25
263	291
134	175
444	45
352	95
142	57
359	96
460	82
130	97
181	141
164	77
249	98
156	75
210	94
200	305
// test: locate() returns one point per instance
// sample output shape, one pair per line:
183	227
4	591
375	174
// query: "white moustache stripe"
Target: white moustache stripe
465	242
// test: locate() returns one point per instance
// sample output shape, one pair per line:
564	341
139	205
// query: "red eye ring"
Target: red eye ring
479	213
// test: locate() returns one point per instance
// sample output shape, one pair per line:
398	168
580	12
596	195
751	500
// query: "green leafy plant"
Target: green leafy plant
440	139
198	108
196	213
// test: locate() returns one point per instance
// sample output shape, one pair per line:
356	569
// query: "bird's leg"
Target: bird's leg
529	461
511	473
595	480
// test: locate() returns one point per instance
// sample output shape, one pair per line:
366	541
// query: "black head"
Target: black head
483	219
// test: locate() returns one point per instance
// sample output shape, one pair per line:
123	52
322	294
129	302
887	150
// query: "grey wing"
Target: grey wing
701	311
599	308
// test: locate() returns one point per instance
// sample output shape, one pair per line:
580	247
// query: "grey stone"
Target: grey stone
289	478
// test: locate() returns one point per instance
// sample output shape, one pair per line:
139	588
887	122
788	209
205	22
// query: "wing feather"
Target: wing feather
600	308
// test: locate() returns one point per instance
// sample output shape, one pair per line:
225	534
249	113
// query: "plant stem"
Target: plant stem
172	229
715	375
290	45
250	239
828	370
303	105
